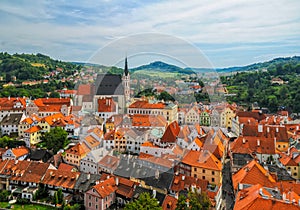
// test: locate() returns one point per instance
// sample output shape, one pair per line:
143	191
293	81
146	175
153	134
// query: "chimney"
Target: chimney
77	176
183	178
157	174
244	141
268	129
154	193
88	176
260	128
117	181
258	142
283	196
297	127
277	129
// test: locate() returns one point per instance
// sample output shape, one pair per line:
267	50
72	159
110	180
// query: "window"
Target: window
213	173
96	206
213	179
203	171
195	169
203	177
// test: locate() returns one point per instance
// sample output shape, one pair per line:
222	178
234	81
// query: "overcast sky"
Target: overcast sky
225	32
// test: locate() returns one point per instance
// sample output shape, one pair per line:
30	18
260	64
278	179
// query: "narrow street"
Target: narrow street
228	194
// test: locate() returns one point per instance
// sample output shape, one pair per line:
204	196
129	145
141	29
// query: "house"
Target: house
109	140
40	155
48	106
10	123
168	110
11	105
108	164
106	108
27	123
192	116
65	180
19	153
260	197
75	154
169	203
290	164
101	196
204	118
89	164
135	137
148	121
84	97
120	139
32	136
203	165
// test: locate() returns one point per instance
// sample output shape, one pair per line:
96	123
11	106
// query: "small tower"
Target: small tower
126	82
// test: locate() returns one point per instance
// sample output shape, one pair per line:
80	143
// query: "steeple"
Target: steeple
126	67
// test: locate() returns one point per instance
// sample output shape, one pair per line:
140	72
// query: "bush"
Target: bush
22	201
4	194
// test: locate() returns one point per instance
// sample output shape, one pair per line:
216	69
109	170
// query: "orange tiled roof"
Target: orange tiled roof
181	182
91	141
53	118
106	105
249	144
20	151
85	89
202	159
28	121
106	187
169	203
287	160
148	120
79	149
97	131
148	144
146	105
65	167
9	103
171	133
253	173
254	198
61	178
33	129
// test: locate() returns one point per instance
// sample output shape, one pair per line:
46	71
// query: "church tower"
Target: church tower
126	82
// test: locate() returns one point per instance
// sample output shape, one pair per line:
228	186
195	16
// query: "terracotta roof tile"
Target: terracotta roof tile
20	151
106	105
202	159
253	173
171	133
33	129
169	203
147	105
61	178
79	149
106	187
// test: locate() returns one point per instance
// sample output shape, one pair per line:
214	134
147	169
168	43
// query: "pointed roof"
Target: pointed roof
171	133
126	72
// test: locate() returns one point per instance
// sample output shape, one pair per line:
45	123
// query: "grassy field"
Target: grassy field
160	74
26	206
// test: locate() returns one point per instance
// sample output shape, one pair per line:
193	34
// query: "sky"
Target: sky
193	33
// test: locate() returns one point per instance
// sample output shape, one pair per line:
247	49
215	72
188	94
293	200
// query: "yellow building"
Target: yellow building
291	166
202	165
32	136
226	117
75	154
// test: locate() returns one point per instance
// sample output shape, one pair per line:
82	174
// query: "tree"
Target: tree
56	139
165	96
54	95
58	197
194	201
144	202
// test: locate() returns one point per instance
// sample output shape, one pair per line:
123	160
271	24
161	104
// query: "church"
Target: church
113	86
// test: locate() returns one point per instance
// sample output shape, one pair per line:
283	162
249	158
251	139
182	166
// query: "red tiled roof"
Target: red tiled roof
106	105
202	159
79	149
249	144
181	182
33	129
148	120
171	133
147	105
253	173
85	89
287	160
9	103
61	178
106	187
20	151
169	203
65	167
254	198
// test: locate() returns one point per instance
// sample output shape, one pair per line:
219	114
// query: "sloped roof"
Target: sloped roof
106	105
202	159
33	129
106	187
61	178
257	197
79	149
171	133
20	151
253	173
109	84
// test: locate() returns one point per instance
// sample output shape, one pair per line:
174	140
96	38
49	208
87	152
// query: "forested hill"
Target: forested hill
31	67
274	85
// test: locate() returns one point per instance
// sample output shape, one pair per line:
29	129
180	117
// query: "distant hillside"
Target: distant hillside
262	65
31	67
162	67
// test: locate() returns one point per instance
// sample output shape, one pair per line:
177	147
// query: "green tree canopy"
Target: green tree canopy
144	202
56	139
194	201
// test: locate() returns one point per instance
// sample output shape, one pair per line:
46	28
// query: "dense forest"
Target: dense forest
257	86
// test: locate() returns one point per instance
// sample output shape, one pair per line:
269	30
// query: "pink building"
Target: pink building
101	196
